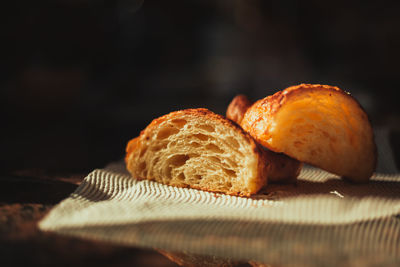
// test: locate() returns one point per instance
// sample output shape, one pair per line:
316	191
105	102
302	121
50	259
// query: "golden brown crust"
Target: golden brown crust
130	147
260	120
257	119
282	168
237	108
135	144
200	112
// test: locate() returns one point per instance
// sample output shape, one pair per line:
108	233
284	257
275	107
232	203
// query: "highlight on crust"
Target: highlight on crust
283	167
318	124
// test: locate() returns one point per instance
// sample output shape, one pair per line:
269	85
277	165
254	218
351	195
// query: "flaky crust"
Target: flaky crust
237	108
263	119
258	120
282	167
136	144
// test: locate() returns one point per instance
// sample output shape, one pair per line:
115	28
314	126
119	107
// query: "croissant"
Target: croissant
317	124
199	149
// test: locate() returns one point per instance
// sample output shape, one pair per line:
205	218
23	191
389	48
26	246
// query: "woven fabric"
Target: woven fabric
319	221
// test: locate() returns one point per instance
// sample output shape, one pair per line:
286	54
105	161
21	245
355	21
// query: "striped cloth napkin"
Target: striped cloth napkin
319	221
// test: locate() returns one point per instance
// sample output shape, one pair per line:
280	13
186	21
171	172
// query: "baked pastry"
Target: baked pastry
282	167
236	109
199	149
317	124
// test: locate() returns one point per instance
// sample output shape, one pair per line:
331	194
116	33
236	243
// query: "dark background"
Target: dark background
79	78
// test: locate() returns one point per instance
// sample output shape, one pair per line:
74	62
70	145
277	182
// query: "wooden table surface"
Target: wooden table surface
25	197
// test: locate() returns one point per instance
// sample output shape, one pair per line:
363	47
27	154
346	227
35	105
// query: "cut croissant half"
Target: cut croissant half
199	149
317	124
282	167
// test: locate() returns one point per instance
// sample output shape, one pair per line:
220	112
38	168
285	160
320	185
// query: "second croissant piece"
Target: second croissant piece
317	124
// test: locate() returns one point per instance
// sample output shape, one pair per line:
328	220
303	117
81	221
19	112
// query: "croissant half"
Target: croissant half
317	124
199	149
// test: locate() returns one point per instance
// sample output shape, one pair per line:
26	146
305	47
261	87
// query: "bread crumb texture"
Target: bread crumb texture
199	149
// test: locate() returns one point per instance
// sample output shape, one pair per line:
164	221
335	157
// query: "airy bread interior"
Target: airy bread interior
199	149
